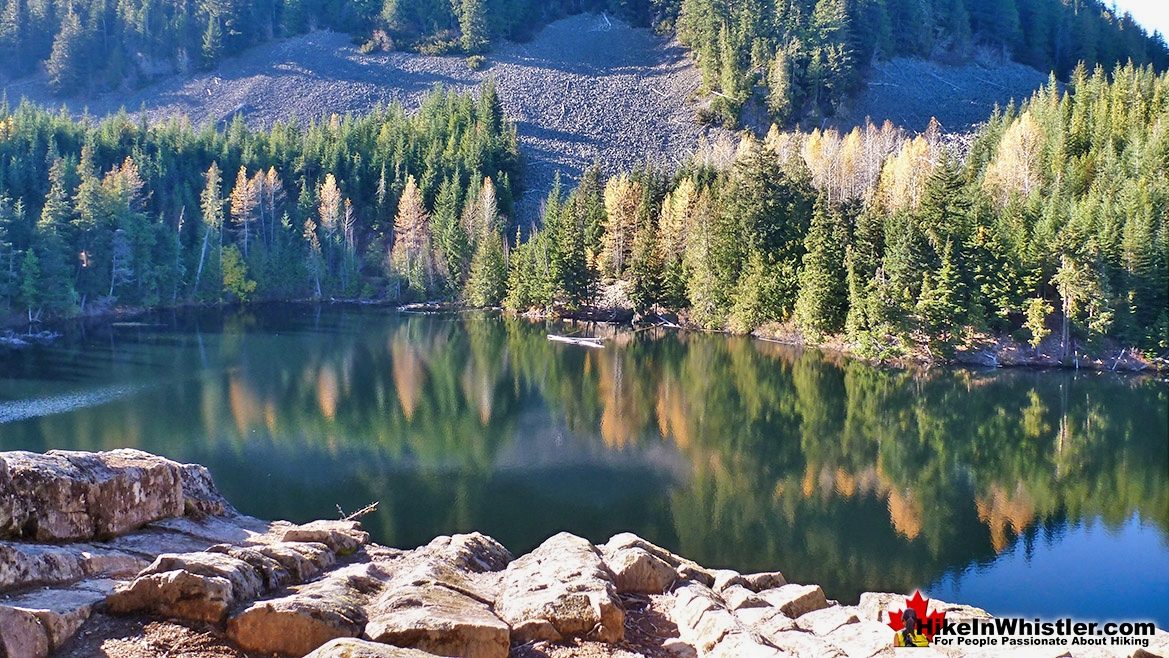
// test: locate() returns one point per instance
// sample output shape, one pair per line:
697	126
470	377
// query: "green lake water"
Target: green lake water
1042	493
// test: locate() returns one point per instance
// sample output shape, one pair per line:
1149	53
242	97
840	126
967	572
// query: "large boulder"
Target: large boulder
342	537
354	648
22	634
442	621
63	496
636	570
796	600
196	586
309	615
440	597
71	496
561	590
686	569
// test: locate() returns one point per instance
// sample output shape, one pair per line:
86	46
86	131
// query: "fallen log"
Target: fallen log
577	340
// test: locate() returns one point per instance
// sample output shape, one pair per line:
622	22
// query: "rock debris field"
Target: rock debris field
589	88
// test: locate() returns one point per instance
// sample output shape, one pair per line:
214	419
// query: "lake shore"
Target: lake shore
976	350
127	554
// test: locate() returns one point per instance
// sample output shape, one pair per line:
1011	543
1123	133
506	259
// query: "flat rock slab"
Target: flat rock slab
439	620
826	620
354	648
60	611
561	590
796	600
342	537
22	634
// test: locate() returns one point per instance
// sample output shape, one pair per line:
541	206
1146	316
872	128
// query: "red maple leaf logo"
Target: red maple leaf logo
928	622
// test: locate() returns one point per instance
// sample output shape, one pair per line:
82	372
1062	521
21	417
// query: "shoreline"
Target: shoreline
987	351
153	558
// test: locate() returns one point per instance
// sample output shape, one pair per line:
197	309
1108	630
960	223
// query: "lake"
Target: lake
1041	493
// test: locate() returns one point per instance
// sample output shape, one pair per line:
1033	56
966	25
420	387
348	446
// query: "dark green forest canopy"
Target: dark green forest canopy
1050	226
117	209
797	58
1052	223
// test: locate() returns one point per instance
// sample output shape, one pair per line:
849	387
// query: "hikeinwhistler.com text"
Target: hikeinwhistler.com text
1019	632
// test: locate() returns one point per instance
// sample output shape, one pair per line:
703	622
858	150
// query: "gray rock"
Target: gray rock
309	615
200	497
687	569
303	560
439	620
60	611
863	639
826	620
805	645
738	597
724	578
27	565
796	600
21	634
195	586
702	618
744	645
70	496
636	570
354	648
765	621
562	582
342	537
757	582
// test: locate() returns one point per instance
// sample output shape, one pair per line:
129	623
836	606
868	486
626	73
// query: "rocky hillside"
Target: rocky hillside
129	555
586	89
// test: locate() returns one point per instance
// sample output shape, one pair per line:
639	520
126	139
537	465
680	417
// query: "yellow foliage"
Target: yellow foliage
1016	165
904	176
622	199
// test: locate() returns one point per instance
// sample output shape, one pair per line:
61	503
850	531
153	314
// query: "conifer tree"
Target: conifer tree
823	292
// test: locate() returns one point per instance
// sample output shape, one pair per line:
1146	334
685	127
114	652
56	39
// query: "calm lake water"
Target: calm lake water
1044	493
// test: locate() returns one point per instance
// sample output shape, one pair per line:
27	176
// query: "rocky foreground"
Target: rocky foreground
126	554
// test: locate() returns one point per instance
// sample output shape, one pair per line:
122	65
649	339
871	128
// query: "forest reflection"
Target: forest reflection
732	451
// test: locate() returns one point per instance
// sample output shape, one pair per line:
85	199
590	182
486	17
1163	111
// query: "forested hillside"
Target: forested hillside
792	59
1052	221
93	214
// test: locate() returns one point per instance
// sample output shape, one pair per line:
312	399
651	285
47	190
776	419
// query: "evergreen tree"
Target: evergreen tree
823	294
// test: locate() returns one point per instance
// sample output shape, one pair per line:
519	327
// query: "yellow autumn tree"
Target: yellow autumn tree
622	199
411	256
1015	169
904	176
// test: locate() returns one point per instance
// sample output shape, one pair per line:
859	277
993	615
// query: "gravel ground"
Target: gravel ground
910	91
587	89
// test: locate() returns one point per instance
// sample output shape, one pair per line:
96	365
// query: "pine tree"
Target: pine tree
487	283
645	267
66	64
212	46
823	291
451	238
473	26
